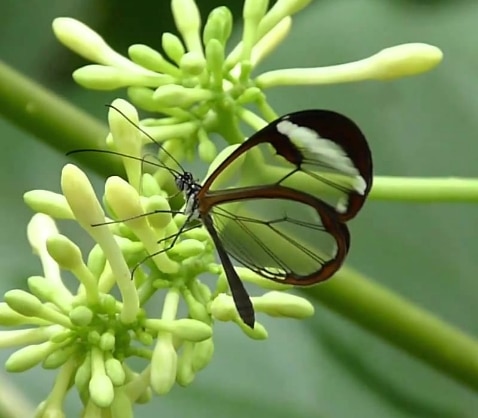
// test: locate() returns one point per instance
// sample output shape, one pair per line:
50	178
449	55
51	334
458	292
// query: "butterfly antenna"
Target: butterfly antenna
131	157
149	137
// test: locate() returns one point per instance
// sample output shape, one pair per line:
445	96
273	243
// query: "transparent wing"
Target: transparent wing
285	240
317	152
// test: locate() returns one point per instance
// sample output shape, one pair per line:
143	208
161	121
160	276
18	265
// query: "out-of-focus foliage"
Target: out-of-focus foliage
422	126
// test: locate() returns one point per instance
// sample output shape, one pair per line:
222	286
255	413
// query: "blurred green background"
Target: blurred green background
422	126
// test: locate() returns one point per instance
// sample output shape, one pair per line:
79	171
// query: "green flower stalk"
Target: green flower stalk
199	90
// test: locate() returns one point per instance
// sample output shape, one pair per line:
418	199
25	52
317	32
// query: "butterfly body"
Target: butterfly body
190	188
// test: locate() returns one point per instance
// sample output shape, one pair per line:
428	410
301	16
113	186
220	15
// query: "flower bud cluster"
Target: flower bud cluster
202	89
89	334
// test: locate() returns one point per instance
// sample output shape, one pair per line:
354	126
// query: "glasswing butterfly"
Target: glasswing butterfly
279	202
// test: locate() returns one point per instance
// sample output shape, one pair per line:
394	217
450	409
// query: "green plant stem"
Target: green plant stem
419	189
401	323
53	120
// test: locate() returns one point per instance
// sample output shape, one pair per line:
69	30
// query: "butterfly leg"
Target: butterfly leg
173	212
175	237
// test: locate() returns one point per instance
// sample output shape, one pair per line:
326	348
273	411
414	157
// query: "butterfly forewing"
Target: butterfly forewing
290	238
318	152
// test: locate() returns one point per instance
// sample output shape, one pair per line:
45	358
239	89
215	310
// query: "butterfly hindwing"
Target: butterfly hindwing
282	235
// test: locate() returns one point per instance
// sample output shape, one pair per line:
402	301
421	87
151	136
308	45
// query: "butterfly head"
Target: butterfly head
184	181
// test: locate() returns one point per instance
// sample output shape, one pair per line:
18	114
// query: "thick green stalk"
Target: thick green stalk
401	323
54	120
425	190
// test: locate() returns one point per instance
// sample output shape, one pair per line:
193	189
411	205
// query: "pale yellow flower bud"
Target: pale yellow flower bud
151	59
48	290
395	62
203	352
185	372
175	95
188	21
192	63
84	204
81	315
115	371
122	406
127	138
188	248
163	365
59	357
101	77
101	390
162	218
173	46
283	304
124	200
87	43
29	356
50	203
100	386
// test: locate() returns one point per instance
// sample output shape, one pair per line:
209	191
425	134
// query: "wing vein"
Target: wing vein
257	240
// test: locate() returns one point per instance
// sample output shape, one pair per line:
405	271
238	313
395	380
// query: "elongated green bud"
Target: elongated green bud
96	261
48	290
23	302
185	372
121	406
124	199
83	374
25	336
206	149
283	304
100	77
188	248
64	251
151	59
81	316
188	21
159	207
127	138
107	341
163	365
9	317
174	95
28	357
100	386
192	63
173	46
202	355
101	390
50	203
58	357
218	25
115	371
